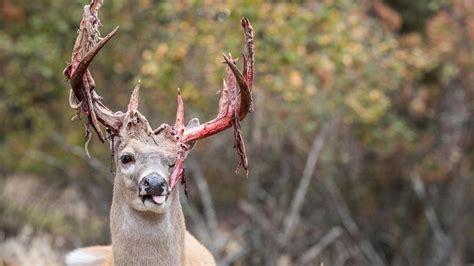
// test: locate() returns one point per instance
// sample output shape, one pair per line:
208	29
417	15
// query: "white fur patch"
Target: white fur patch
80	257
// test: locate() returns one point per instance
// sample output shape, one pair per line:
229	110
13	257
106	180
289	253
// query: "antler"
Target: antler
234	105
230	104
83	97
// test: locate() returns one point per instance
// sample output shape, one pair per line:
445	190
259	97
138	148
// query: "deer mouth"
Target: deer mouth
158	200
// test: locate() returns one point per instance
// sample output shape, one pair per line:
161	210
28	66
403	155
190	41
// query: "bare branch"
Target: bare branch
349	223
325	241
294	214
262	221
206	200
93	163
233	257
444	243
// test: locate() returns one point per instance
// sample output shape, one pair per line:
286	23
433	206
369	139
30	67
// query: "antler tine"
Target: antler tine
245	92
179	124
178	170
76	77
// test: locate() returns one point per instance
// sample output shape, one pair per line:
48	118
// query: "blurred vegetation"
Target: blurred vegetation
403	93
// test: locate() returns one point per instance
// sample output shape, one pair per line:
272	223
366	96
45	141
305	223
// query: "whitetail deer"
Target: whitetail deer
146	219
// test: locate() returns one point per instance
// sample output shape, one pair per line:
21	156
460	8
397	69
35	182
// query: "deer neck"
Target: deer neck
144	238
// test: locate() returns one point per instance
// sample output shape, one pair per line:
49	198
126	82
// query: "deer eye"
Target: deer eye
126	158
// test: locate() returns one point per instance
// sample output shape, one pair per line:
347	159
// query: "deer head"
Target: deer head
150	162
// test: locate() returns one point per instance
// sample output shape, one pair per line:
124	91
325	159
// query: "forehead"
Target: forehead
138	146
157	145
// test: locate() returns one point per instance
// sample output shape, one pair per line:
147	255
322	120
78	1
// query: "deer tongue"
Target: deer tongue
159	199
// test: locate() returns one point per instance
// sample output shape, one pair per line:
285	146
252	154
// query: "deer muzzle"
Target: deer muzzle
153	187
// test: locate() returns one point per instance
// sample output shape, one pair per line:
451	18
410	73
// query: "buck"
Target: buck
146	219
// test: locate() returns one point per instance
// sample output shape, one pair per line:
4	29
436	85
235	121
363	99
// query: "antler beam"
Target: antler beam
84	97
234	105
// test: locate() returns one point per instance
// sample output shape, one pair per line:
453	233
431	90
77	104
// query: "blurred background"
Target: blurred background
360	146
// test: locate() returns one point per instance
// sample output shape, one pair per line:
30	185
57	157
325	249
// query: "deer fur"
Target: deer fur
144	234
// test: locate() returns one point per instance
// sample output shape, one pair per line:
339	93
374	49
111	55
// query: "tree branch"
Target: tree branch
293	218
325	241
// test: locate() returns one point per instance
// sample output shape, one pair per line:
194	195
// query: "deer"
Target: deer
146	219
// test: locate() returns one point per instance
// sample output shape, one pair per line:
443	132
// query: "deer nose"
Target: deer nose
153	185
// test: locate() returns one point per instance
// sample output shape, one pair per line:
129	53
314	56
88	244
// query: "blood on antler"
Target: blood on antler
236	98
83	96
234	105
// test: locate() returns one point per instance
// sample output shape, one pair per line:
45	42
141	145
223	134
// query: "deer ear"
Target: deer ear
133	104
192	123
